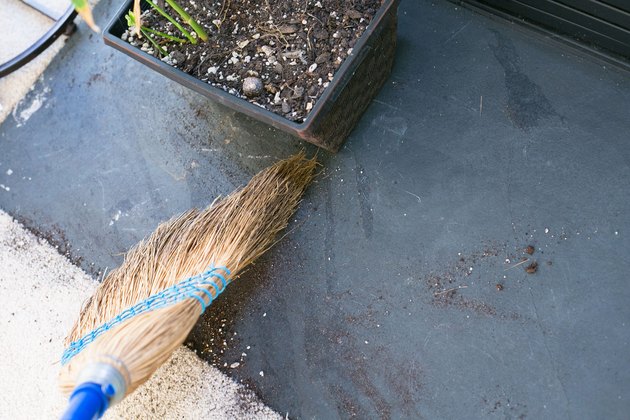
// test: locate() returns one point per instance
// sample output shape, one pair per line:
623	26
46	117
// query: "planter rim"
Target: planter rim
240	104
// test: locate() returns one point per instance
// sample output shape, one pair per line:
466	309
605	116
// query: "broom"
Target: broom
145	308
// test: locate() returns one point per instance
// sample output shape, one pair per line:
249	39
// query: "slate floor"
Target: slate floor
383	301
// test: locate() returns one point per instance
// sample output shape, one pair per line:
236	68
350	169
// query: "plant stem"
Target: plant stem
189	20
83	8
131	21
137	15
152	41
173	21
163	35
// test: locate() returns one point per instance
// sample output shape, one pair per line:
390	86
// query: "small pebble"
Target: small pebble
287	29
252	86
286	108
353	14
267	50
322	58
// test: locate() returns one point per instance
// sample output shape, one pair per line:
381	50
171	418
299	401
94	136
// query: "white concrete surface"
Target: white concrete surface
41	293
20	27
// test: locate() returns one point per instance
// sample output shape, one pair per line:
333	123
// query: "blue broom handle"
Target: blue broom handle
87	402
101	385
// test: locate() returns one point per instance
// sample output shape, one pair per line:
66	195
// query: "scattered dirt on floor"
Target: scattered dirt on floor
278	54
56	237
447	283
460	285
215	333
403	379
531	268
347	405
359	391
530	250
96	77
505	407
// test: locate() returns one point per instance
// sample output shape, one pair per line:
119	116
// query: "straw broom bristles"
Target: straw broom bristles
232	232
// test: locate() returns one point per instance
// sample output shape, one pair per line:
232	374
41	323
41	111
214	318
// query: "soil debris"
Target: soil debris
294	46
532	268
530	250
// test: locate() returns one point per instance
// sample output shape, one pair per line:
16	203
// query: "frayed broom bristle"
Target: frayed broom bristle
232	232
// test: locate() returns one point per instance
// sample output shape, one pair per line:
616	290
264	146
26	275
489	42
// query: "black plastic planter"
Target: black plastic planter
342	103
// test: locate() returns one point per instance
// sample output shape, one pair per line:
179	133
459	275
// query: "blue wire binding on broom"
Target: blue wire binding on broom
189	288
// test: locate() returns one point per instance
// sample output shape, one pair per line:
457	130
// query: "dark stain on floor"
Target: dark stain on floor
526	102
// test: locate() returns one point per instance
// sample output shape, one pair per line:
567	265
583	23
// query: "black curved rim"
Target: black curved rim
40	45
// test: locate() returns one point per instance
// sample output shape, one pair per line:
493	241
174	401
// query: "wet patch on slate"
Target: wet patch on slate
363	193
526	102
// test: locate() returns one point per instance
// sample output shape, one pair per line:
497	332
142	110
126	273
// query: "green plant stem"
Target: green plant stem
163	35
189	20
173	21
152	41
131	21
